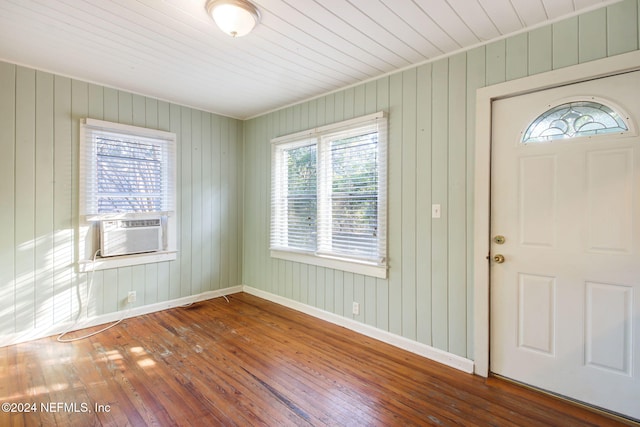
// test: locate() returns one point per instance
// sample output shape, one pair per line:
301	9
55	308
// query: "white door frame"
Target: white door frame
482	206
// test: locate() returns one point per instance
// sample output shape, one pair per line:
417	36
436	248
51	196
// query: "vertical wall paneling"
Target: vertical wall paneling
227	170
329	110
236	200
409	190
496	62
272	268
216	200
139	115
565	43
322	284
348	281
340	99
439	191
369	298
394	228
330	289
125	108
43	229
186	200
517	62
383	288
311	287
592	35
622	32
25	198
79	109
338	293
62	215
423	205
475	79
457	205
40	115
358	295
206	229
7	194
358	101
540	50
111	112
196	202
261	246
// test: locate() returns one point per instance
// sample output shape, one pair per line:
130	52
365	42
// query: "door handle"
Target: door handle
498	258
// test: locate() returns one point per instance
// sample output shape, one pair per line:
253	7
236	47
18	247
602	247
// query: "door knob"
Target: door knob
498	258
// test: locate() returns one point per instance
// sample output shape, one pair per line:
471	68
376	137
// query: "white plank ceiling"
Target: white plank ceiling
171	49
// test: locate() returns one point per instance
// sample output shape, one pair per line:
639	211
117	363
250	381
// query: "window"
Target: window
126	172
574	119
126	169
329	196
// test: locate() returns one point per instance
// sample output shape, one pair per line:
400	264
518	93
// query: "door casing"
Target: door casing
482	194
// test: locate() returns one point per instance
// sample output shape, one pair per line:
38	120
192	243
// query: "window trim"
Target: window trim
88	221
337	262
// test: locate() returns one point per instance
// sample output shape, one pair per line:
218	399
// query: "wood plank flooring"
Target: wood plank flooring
251	362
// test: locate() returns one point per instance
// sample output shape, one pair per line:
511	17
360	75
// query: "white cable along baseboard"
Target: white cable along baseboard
43	332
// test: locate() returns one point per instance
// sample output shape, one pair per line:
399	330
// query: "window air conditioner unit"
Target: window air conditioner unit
130	236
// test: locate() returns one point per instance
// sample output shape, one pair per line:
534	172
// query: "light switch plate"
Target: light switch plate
435	211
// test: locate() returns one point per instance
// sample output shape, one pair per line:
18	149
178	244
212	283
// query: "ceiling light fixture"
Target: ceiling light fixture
234	17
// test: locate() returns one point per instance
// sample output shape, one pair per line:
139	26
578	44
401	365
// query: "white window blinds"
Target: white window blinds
329	191
126	169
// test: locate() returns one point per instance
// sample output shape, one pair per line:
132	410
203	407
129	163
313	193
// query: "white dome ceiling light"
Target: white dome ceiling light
234	17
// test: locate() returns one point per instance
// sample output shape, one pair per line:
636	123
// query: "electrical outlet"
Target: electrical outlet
356	308
131	296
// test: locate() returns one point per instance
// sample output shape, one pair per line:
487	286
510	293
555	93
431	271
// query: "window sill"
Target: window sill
367	269
87	265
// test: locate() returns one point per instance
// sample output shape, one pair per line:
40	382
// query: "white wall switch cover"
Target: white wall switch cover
435	211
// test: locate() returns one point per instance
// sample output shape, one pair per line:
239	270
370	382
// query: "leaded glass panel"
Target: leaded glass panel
573	120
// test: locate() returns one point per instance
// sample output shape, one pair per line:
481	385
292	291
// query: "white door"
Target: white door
565	303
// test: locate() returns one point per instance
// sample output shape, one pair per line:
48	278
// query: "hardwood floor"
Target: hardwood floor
252	362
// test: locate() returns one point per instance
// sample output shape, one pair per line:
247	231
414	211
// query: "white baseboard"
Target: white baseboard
57	329
432	353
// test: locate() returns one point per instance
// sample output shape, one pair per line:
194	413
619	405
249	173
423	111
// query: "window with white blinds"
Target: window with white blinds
329	195
126	169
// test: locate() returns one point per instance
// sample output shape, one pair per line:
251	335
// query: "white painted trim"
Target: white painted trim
352	266
48	331
415	347
482	208
129	129
318	131
89	266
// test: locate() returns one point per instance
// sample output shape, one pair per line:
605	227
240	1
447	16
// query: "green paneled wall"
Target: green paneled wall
39	131
428	295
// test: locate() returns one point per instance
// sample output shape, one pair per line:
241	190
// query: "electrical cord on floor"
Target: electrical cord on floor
84	307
